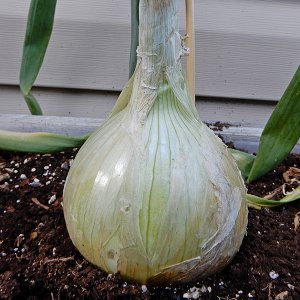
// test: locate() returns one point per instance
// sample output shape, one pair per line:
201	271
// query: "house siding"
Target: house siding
245	50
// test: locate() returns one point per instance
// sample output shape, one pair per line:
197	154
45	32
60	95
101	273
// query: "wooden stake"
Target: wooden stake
190	43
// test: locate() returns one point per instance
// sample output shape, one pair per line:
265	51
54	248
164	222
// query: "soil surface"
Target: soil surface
38	260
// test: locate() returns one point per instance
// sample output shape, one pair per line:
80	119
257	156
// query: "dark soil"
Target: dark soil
38	260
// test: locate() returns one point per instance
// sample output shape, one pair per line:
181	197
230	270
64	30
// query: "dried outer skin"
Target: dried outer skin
154	194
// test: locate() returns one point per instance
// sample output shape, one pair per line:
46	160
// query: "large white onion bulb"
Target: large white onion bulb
153	193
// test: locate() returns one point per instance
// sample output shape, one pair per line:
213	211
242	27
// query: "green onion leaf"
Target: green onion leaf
134	35
281	133
243	160
258	201
38	33
38	142
32	104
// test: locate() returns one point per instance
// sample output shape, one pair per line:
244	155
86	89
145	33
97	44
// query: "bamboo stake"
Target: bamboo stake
190	43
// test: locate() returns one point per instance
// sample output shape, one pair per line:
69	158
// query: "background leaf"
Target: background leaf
281	132
258	201
243	160
38	32
38	142
32	104
134	35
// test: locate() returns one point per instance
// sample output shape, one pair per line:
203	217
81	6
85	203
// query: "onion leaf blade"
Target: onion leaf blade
281	132
38	32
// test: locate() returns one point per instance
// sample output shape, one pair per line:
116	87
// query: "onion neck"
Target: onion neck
159	39
159	51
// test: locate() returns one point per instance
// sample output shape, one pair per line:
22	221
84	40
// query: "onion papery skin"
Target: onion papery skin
153	193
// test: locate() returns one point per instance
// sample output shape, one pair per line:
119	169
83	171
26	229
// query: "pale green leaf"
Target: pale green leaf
38	142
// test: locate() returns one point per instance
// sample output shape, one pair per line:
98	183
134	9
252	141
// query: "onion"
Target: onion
153	193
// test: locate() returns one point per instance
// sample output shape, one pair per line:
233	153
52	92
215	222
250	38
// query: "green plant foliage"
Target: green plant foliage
258	201
124	97
281	133
243	160
33	104
134	35
38	142
38	32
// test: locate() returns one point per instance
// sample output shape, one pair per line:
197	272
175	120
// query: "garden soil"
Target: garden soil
39	261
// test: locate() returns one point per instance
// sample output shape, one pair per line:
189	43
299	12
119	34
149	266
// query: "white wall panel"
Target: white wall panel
97	104
246	49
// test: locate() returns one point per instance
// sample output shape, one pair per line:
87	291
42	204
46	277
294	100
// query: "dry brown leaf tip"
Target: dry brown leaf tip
290	174
33	235
282	296
38	203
